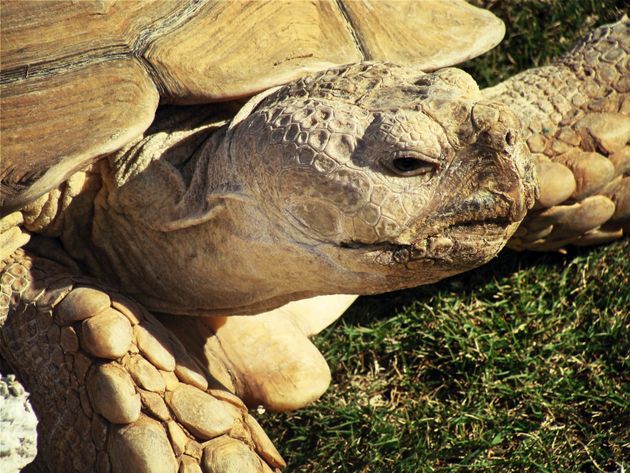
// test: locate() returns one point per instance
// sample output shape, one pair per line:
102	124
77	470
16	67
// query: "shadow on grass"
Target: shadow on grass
378	307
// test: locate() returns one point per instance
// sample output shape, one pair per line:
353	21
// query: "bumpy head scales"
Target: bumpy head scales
396	176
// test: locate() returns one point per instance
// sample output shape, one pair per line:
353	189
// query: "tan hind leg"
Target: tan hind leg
576	115
114	390
270	360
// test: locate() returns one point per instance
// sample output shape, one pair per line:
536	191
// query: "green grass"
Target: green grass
520	366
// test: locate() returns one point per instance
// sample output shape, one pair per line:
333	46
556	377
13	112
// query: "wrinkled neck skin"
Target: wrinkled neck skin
359	180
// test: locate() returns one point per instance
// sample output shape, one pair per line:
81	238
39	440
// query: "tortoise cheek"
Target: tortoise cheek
322	219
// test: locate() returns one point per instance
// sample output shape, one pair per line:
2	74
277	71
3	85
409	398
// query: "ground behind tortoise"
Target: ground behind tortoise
521	366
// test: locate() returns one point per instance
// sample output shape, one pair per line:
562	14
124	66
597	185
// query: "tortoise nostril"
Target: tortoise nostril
510	138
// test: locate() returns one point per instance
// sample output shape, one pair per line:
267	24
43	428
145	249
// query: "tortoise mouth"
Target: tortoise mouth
458	246
463	243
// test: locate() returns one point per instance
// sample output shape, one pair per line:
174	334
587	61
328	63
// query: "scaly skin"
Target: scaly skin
114	391
576	116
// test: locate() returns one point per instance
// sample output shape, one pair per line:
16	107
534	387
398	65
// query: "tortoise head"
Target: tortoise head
359	180
396	178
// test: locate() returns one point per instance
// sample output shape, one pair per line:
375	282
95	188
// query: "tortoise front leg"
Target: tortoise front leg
114	390
576	117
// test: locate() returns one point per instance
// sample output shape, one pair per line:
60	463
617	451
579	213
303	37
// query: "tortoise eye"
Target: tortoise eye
411	164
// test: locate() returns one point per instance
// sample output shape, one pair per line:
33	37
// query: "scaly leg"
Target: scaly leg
576	115
113	389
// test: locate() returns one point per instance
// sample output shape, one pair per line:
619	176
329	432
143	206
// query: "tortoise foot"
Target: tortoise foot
114	390
269	358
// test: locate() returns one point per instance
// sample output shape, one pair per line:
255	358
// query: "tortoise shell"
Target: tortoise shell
81	79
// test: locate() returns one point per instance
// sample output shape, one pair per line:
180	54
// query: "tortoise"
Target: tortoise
356	177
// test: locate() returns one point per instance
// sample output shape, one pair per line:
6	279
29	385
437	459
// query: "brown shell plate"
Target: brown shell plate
80	79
